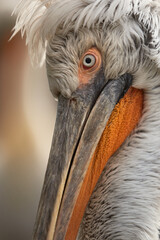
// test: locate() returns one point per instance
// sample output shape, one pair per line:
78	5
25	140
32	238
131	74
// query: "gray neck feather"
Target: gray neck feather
126	201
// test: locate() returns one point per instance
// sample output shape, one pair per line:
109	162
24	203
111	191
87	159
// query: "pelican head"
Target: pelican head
102	59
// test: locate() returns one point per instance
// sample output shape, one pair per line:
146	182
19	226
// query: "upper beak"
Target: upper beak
80	123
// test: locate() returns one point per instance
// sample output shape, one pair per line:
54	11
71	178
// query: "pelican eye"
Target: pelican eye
89	64
89	61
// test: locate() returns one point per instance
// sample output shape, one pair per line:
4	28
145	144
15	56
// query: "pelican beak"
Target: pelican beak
74	165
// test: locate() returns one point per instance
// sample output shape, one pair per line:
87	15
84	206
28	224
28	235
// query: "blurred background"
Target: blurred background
27	117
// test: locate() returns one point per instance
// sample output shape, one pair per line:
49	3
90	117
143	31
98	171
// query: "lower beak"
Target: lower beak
73	167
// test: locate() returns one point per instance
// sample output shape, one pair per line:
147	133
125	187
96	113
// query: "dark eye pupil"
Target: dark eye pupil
88	60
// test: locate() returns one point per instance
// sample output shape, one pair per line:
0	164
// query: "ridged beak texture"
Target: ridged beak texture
93	123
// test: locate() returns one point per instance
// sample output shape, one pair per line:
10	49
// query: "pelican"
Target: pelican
103	65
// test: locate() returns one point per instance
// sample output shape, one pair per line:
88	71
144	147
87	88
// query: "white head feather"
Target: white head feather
40	19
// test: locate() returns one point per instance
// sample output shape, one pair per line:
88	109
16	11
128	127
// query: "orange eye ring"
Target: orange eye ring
89	65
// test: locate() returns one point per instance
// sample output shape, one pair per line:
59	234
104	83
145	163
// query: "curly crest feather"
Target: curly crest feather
40	19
